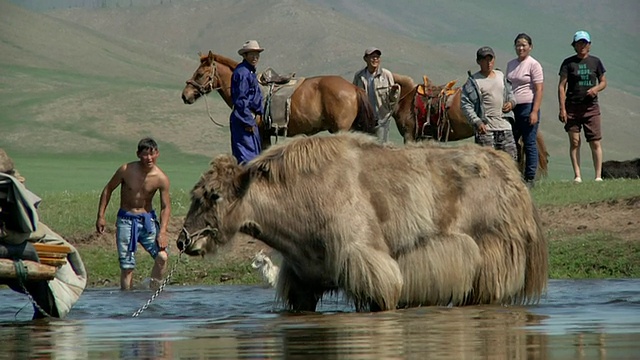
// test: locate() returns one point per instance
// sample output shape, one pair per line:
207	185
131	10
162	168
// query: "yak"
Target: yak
389	227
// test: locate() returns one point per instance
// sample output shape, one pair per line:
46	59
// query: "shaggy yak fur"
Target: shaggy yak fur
389	227
629	169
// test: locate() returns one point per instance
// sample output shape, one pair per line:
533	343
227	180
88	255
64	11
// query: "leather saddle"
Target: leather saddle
431	103
270	76
427	89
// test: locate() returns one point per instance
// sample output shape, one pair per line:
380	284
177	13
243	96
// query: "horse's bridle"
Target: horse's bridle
208	86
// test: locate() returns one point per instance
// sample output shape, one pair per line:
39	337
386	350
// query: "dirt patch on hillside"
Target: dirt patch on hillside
619	217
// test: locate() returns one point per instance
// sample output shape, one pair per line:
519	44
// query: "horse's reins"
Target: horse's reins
202	89
407	94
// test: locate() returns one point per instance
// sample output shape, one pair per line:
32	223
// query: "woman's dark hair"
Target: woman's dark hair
523	36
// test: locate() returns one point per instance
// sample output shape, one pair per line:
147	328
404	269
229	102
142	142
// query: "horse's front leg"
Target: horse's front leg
406	129
408	135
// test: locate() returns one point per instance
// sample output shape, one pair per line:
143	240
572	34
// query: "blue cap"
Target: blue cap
581	35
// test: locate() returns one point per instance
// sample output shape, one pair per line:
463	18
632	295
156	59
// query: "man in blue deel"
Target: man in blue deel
246	96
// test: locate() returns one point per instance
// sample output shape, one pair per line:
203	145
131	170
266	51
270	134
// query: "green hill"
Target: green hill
91	81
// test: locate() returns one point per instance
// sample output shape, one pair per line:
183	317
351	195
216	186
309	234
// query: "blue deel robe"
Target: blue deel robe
246	97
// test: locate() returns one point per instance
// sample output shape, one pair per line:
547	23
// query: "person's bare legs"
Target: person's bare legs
126	279
596	154
159	269
574	153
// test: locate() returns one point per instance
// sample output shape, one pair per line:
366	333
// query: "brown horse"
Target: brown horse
319	103
448	123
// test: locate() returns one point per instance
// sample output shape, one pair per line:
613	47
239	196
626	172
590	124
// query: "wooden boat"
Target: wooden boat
33	258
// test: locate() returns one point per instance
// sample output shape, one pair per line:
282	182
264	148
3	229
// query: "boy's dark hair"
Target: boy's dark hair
147	144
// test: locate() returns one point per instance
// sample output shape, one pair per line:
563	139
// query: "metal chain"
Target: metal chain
22	273
160	289
33	301
135	314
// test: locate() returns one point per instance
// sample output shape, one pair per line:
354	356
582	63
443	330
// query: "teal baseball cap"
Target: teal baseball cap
581	35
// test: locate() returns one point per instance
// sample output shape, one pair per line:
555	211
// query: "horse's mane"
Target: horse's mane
223	60
405	81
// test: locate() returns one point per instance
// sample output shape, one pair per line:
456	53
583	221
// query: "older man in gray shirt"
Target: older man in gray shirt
382	90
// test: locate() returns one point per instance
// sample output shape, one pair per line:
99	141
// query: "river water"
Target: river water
577	319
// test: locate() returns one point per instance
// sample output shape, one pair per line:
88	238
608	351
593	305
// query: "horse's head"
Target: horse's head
210	198
204	80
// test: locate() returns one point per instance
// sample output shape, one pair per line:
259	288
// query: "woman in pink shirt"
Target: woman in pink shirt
525	75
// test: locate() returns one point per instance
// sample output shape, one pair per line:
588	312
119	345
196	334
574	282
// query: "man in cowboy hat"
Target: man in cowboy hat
379	85
246	97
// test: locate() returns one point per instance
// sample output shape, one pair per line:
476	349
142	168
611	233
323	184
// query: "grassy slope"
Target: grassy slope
90	172
613	24
75	102
99	79
103	78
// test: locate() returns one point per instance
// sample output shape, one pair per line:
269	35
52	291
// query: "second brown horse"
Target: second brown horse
452	124
320	103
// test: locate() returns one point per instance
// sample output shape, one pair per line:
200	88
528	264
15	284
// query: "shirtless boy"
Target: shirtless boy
137	222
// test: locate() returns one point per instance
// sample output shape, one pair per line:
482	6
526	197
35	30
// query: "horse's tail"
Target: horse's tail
543	155
537	262
365	120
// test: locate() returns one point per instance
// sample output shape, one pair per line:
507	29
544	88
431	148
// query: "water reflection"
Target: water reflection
497	333
581	320
43	339
159	350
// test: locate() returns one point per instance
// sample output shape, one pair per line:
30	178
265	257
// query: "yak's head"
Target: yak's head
210	198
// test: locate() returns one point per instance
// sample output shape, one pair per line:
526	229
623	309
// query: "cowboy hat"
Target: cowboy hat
250	45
